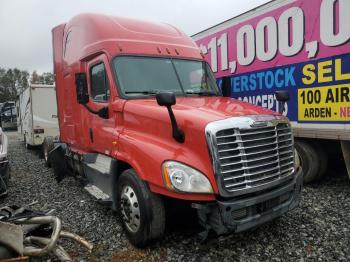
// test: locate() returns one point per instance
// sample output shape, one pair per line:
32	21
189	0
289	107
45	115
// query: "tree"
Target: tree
49	78
24	80
35	78
14	81
46	78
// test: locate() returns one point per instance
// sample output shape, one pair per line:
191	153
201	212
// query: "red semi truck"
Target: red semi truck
142	120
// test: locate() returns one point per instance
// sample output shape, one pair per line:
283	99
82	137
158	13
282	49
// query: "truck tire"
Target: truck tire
26	144
141	212
323	160
46	147
309	159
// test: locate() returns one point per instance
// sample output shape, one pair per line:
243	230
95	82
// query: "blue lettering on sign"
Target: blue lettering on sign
289	76
269	79
278	81
260	77
258	87
280	78
252	82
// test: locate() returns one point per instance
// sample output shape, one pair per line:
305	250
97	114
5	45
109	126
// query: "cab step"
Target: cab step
98	171
98	162
96	192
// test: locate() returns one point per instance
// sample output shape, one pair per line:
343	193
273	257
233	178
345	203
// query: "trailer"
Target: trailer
37	115
295	45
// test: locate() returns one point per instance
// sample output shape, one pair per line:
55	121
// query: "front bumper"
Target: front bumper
236	215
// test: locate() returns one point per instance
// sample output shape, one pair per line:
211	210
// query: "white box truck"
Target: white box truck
37	116
297	45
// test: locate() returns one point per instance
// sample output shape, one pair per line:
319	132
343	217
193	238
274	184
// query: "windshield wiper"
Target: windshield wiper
145	92
201	93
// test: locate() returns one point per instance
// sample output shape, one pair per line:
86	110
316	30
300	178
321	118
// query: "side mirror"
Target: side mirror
166	99
226	86
81	88
282	97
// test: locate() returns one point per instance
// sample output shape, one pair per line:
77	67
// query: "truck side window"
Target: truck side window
99	83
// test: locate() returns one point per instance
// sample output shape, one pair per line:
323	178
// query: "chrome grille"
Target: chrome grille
248	158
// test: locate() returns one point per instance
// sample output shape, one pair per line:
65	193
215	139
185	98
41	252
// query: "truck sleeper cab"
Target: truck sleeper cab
141	117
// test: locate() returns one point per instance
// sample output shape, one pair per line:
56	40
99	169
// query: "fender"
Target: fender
132	150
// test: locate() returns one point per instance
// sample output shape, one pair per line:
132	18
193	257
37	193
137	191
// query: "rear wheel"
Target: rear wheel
28	146
309	159
142	212
323	160
46	147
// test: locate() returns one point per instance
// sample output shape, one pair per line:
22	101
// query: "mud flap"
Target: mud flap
57	158
345	146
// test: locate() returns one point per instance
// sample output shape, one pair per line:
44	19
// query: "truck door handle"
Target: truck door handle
91	133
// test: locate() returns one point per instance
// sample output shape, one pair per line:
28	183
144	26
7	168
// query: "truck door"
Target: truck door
100	130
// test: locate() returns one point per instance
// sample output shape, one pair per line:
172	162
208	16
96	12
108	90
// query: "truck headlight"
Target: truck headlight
296	160
180	177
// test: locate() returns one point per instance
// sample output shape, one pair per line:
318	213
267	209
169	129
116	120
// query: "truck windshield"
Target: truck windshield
147	76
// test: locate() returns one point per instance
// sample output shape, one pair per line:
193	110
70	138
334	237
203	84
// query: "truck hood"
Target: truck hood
199	110
147	132
192	114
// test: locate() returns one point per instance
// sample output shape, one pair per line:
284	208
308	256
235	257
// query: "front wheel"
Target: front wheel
141	212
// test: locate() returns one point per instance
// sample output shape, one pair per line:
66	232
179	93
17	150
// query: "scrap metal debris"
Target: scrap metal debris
27	233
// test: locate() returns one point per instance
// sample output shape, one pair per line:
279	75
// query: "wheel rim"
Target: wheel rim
130	209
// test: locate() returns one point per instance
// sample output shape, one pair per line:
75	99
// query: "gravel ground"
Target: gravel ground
317	230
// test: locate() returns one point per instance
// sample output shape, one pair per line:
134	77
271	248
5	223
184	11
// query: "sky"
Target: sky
25	25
